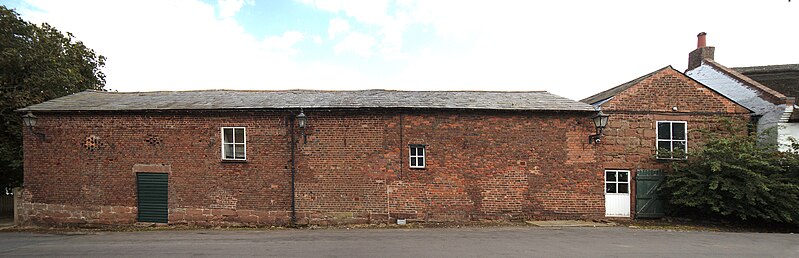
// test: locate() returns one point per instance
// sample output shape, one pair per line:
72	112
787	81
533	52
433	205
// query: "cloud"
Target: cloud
229	8
390	18
180	45
356	43
366	11
573	49
284	43
337	26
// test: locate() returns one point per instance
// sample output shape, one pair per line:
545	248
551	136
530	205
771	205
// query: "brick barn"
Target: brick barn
243	158
655	120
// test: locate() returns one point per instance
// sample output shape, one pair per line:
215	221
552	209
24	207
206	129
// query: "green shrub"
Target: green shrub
732	176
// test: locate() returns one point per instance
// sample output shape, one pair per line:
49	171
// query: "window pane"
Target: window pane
413	162
421	162
228	149
413	151
610	176
679	146
664	149
228	132
664	132
679	149
239	151
421	151
623	176
610	187
664	146
239	135
623	188
678	131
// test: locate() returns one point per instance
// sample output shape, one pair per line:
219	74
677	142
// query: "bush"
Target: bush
732	176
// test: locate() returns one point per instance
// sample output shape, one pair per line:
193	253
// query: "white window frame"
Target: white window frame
233	144
412	157
671	145
617	182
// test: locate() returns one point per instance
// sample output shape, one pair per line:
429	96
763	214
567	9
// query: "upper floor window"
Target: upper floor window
234	143
417	156
672	139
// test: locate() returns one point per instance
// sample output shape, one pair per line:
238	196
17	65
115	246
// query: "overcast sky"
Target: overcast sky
570	48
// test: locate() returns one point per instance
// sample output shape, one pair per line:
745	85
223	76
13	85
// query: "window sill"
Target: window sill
234	161
670	159
418	168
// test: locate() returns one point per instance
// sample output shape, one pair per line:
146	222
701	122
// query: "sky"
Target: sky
570	48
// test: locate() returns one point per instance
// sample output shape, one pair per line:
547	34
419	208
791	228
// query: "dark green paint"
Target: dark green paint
648	202
153	193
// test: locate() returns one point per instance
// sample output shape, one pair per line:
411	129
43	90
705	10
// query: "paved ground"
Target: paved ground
6	222
450	242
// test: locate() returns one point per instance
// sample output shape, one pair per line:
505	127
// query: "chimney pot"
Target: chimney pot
700	40
701	52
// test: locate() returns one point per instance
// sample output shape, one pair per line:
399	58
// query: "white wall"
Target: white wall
787	130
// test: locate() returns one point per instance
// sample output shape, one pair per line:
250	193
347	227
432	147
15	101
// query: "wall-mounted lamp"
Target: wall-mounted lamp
302	121
29	121
600	121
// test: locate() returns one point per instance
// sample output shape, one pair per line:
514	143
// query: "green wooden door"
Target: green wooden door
153	193
648	203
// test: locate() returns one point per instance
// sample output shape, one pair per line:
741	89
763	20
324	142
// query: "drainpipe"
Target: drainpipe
402	143
290	122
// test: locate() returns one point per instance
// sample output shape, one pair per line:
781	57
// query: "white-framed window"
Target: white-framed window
672	139
417	156
617	181
234	143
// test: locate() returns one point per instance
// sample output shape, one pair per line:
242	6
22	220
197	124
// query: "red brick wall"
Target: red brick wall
353	167
630	137
670	88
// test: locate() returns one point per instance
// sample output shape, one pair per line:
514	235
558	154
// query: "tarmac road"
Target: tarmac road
439	242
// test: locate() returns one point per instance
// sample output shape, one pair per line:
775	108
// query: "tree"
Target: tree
733	176
37	63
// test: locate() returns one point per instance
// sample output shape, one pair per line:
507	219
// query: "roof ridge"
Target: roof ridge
621	87
758	68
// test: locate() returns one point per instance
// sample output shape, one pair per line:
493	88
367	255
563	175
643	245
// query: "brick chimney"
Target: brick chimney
701	52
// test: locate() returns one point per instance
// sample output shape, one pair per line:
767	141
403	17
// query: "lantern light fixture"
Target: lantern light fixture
302	120
600	122
29	120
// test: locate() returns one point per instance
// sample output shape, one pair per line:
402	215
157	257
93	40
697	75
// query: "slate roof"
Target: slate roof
767	69
237	99
615	90
768	93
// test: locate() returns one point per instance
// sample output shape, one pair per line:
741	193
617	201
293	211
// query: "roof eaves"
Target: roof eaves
23	110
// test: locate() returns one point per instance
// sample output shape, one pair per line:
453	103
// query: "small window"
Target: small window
234	143
417	156
672	140
617	181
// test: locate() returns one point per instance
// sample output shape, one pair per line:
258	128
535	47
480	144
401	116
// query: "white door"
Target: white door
617	193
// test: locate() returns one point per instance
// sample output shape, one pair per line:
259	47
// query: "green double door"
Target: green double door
152	190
